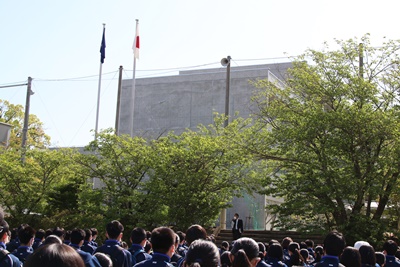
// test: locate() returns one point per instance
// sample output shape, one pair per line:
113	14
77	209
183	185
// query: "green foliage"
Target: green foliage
331	136
30	189
14	115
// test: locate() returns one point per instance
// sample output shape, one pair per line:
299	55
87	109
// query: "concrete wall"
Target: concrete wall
176	103
183	101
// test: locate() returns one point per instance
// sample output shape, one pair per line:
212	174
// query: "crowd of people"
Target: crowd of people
164	247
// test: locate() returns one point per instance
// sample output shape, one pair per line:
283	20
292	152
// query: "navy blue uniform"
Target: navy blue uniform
158	260
119	256
22	253
275	262
262	263
36	243
87	247
329	261
88	259
7	259
138	254
392	261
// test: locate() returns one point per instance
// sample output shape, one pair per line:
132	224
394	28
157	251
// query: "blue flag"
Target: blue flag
103	47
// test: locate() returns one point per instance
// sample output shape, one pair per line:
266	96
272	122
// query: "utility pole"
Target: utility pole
361	59
118	100
226	62
29	92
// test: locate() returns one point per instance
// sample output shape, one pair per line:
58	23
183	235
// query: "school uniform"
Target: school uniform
157	260
138	254
275	262
36	243
119	256
23	252
392	261
87	247
329	261
88	259
7	259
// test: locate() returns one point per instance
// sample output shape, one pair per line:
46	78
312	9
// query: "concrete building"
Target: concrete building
179	102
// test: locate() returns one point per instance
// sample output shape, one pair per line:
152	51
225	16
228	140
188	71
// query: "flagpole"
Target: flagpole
99	88
133	91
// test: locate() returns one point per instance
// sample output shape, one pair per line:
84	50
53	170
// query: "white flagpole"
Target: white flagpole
98	93
133	91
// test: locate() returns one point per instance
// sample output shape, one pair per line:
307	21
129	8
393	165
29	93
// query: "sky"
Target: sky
57	43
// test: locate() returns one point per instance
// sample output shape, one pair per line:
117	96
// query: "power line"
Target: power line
164	71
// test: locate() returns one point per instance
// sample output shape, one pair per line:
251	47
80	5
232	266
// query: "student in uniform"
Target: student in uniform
138	239
26	235
119	256
6	258
77	238
202	253
163	243
334	244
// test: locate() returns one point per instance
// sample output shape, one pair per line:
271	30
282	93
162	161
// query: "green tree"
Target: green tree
14	115
26	189
121	164
197	173
331	138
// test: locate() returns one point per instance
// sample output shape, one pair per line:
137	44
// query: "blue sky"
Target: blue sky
53	41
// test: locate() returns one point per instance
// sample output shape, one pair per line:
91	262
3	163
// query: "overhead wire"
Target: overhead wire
48	113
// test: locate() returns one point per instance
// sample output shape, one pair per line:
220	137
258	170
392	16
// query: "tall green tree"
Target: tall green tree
197	174
331	138
26	189
14	115
121	164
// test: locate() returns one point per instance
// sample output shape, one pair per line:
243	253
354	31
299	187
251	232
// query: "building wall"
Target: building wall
176	103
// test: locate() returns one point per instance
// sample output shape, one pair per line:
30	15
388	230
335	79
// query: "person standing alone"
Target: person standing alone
237	227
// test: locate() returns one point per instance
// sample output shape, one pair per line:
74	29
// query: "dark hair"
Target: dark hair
48	232
77	236
334	243
367	255
285	242
380	258
94	231
58	232
225	260
202	253
350	257
244	249
59	255
103	259
25	234
88	234
319	252
52	239
195	232
309	243
261	250
162	238
147	247
275	251
181	235
225	245
241	259
295	258
40	234
138	235
67	235
114	229
305	254
272	241
390	247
